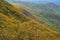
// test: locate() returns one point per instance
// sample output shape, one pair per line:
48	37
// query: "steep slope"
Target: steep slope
14	25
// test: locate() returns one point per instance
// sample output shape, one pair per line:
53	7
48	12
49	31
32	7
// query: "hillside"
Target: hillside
47	13
14	25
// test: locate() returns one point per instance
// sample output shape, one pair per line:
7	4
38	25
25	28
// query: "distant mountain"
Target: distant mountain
44	6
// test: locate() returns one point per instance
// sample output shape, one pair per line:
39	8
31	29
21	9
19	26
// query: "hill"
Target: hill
15	25
47	13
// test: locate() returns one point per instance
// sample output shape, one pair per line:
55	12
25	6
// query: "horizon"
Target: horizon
36	0
41	1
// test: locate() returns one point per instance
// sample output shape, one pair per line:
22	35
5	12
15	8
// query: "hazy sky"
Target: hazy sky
38	0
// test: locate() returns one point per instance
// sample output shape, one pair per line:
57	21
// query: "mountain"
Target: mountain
47	7
15	25
43	6
47	13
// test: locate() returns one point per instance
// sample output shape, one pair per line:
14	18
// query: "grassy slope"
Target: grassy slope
14	25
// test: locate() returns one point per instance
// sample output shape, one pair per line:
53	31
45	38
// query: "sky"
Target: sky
37	0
